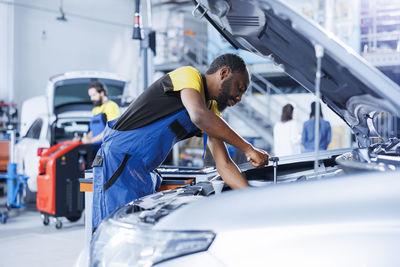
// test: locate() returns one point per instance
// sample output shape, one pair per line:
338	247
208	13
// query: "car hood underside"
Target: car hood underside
350	86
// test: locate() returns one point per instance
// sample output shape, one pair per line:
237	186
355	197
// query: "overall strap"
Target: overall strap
205	137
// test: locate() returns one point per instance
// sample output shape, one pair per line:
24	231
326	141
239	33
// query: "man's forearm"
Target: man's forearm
216	127
225	166
88	139
232	176
97	138
210	123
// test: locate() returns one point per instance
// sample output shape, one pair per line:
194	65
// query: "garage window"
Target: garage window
34	130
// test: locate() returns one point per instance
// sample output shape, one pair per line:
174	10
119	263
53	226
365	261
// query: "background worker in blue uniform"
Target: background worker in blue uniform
179	105
104	110
308	135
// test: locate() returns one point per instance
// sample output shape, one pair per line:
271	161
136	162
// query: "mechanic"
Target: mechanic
104	110
179	105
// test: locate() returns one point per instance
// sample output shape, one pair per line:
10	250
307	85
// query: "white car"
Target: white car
313	216
64	112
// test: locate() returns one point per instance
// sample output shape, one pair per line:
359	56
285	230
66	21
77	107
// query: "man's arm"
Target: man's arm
216	127
86	139
90	140
225	166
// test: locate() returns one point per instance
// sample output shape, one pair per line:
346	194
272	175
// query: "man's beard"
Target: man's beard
97	103
224	96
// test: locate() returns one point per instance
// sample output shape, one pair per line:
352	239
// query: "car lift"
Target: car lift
15	182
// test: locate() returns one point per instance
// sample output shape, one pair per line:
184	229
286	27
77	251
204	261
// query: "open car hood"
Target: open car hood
350	86
68	92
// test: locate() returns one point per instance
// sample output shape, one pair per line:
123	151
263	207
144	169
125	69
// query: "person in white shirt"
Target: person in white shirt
286	134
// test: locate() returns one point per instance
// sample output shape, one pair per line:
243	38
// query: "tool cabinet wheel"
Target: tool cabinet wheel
73	218
46	220
58	224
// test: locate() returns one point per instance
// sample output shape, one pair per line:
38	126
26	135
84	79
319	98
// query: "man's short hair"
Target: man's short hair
234	62
99	86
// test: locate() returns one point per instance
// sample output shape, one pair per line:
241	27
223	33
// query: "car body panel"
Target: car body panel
337	221
27	159
312	245
205	258
32	109
313	202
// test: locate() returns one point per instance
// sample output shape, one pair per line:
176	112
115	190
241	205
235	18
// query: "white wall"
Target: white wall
97	36
6	51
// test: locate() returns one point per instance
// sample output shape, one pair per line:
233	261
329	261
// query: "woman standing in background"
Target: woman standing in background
286	134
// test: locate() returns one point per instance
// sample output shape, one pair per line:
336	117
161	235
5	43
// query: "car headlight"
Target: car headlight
121	244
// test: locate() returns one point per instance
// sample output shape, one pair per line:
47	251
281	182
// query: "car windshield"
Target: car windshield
75	91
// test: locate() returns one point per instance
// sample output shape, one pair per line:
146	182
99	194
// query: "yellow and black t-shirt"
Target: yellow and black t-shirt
162	98
109	111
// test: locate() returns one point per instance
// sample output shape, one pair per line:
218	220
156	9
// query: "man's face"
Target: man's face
95	97
232	89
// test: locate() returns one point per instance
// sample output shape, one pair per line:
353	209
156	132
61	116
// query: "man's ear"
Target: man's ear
224	72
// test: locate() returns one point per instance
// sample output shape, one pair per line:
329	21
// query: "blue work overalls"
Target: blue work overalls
123	167
97	126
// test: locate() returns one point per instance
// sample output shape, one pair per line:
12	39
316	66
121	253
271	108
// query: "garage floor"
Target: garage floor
25	241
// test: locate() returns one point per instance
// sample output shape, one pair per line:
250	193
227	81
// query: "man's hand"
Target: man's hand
257	157
86	139
76	139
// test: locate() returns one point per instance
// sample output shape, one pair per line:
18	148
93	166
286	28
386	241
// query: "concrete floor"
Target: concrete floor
25	241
